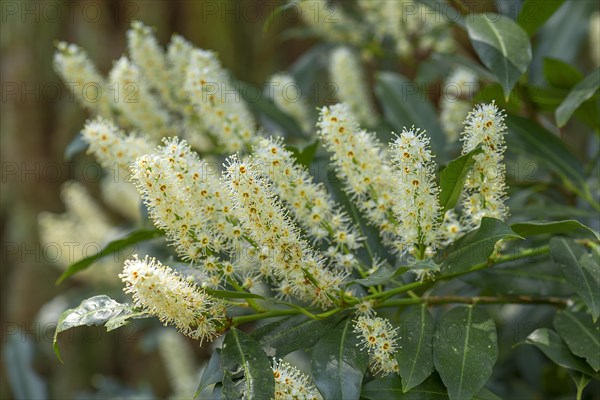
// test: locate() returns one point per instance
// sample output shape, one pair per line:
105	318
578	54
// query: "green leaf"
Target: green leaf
338	364
415	350
97	310
580	269
502	46
583	91
112	247
546	147
555	349
404	106
473	248
228	294
293	333
581	335
465	349
241	353
533	228
561	74
306	155
452	179
380	276
535	13
213	373
390	387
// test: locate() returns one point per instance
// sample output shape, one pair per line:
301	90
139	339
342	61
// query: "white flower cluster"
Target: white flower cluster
87	85
454	104
160	291
362	164
221	107
286	257
137	103
185	198
111	146
419	210
286	95
485	186
346	72
291	384
310	203
377	335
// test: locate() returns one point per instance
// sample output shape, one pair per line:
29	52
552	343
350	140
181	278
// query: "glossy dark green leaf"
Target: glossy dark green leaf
390	387
529	137
561	74
293	333
405	106
533	228
502	46
97	310
112	247
213	373
473	248
580	270
241	353
415	346
338	364
581	335
535	13
306	155
555	349
381	276
465	349
452	179
583	91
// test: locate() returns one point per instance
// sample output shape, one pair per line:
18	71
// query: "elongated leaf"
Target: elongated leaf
473	248
561	74
534	228
415	351
452	179
580	270
228	294
581	335
113	247
77	145
293	333
338	364
306	155
549	149
404	106
465	349
535	13
382	275
241	353
213	373
555	349
97	310
583	91
502	46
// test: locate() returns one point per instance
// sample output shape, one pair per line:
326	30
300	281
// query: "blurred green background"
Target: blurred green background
39	119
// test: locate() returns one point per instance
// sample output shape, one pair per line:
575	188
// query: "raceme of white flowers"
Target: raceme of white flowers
286	96
485	185
346	73
379	338
419	212
160	291
291	384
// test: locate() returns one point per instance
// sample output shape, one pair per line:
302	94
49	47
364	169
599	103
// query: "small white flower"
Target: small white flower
377	335
291	384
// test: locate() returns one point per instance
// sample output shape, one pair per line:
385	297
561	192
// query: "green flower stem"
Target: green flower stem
251	302
437	300
267	314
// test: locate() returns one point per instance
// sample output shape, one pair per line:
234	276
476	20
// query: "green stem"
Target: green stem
251	302
267	314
